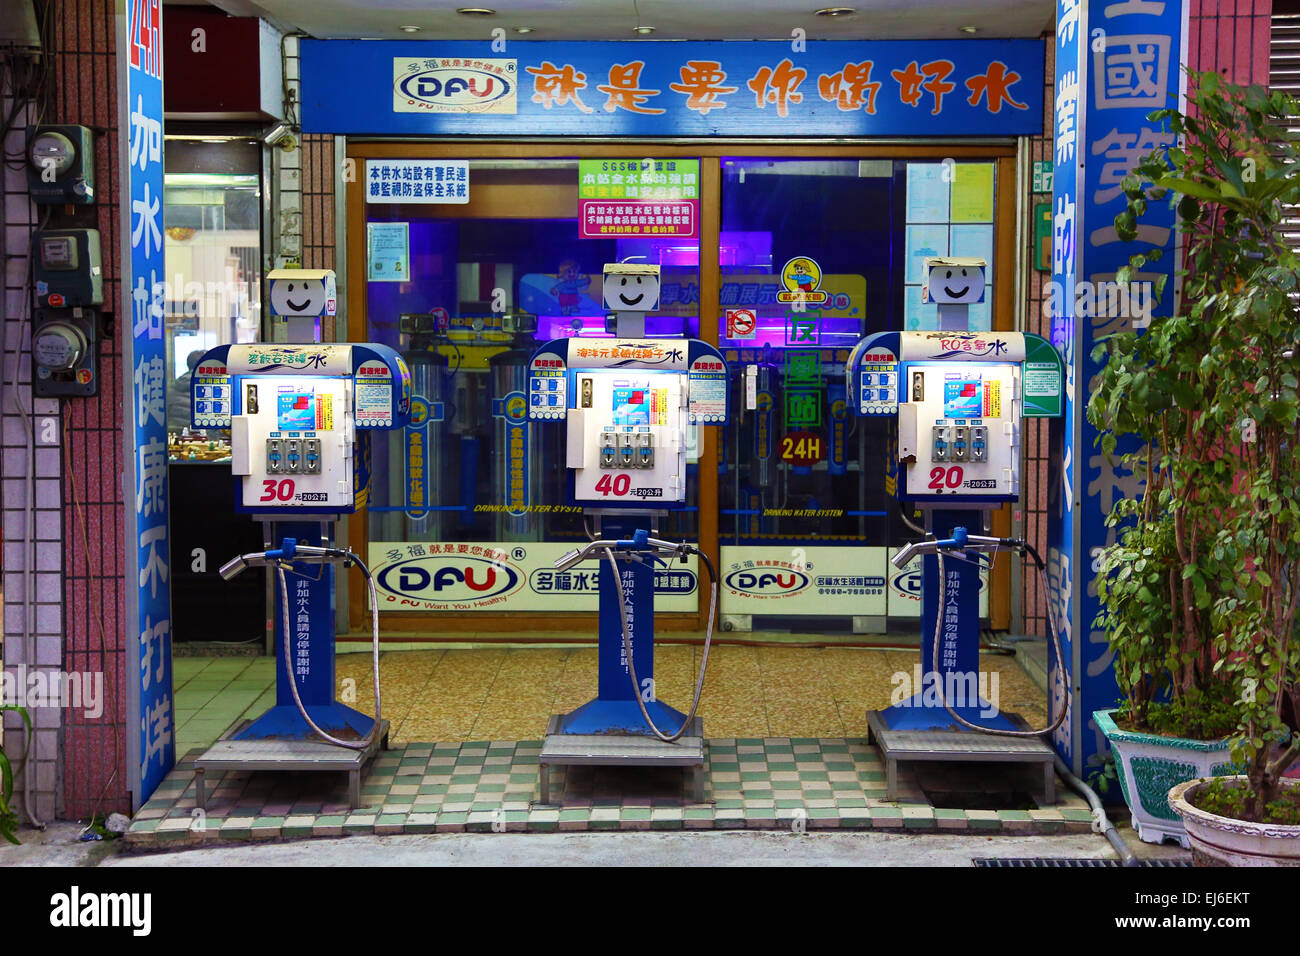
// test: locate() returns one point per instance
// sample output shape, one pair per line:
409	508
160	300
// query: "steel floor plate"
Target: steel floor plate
956	745
287	755
631	750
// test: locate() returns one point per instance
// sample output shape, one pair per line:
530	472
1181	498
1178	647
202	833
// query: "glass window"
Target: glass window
212	215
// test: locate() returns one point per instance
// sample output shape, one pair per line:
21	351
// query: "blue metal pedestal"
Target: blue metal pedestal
280	739
311	623
920	727
610	730
956	599
615	709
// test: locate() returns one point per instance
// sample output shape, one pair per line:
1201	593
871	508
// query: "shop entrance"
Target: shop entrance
466	290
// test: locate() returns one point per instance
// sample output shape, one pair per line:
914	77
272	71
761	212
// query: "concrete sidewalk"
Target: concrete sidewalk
59	846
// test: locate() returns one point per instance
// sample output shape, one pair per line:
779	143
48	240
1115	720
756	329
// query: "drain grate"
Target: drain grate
1068	862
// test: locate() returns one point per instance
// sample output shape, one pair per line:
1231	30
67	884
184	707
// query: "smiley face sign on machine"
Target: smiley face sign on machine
301	298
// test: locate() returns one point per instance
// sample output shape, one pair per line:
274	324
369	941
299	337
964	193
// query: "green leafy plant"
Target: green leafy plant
1227	799
1199	592
8	817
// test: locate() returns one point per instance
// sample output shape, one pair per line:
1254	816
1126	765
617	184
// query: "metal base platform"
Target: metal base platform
586	750
959	745
230	754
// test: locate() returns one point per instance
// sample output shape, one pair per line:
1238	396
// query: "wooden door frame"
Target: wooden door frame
417	626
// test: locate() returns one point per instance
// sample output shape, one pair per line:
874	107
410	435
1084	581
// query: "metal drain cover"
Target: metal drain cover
1068	862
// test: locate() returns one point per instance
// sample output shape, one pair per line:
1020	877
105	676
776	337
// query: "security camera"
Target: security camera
281	134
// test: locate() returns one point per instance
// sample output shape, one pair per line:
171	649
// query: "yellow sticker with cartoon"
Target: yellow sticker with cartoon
801	277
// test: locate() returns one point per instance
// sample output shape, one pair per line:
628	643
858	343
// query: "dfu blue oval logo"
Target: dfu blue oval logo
450	86
458	577
777	582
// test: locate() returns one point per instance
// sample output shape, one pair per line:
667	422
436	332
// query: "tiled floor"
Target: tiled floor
491	785
497	693
786	747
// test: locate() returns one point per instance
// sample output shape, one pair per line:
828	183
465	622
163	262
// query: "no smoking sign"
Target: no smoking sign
741	323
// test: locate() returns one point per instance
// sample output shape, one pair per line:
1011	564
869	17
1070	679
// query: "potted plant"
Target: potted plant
1199	591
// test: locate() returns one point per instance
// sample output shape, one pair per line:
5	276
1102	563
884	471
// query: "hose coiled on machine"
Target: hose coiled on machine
627	645
365	743
1051	728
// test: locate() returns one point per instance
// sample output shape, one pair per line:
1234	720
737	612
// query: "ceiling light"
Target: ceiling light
476	12
523	29
968	29
643	30
834	11
409	29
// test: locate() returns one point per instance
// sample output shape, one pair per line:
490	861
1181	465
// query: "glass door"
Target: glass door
814	254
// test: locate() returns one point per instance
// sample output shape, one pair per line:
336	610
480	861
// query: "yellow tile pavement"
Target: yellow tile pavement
499	693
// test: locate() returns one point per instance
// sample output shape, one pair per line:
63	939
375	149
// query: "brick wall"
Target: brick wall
94	751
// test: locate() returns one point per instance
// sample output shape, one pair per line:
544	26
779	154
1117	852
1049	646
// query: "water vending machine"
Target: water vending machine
300	418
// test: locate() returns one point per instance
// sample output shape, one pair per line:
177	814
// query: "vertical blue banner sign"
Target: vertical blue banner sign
151	739
416	437
1115	63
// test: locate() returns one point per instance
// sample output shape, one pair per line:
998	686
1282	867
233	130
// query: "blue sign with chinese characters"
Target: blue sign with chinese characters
417	180
646	88
1115	63
151	716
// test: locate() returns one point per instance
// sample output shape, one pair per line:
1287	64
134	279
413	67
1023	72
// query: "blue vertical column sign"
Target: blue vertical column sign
150	731
1115	63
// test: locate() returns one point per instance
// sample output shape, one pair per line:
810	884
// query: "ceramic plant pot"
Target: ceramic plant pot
1223	841
1149	765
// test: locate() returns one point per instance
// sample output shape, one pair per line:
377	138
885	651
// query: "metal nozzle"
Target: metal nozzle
909	551
569	559
237	565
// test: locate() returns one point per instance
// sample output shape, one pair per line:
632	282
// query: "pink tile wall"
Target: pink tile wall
94	767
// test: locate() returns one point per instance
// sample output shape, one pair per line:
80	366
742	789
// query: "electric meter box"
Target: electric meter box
65	352
299	417
67	268
61	165
959	399
627	405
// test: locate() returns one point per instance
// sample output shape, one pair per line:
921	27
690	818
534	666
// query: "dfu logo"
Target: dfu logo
775	583
457	89
470	578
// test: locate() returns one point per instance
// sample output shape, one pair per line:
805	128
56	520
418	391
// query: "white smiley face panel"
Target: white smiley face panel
956	284
298	297
631	292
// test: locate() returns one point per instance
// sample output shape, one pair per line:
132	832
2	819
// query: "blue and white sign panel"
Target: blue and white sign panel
151	714
1115	63
417	180
639	88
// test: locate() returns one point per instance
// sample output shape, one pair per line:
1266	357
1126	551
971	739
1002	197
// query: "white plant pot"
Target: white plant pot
1223	841
1149	765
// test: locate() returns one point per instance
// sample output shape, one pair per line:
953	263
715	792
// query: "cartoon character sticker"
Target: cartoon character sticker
801	277
570	284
